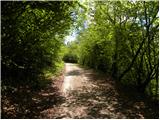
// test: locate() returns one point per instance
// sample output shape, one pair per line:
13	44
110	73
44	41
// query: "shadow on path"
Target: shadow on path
73	73
97	96
26	103
94	95
104	98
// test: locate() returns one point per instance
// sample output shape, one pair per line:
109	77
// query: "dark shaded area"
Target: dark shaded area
70	58
131	99
26	103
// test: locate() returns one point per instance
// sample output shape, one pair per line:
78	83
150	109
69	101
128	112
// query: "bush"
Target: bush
71	58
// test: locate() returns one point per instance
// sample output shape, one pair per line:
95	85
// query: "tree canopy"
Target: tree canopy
122	40
32	35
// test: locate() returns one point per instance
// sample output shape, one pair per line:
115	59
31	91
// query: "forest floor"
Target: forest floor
81	93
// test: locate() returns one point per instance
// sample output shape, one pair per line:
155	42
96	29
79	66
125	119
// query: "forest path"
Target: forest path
90	95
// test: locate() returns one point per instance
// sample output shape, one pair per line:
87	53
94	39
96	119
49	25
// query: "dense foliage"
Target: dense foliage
70	54
32	35
122	40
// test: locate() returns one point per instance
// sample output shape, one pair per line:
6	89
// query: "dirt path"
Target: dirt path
90	95
77	93
73	79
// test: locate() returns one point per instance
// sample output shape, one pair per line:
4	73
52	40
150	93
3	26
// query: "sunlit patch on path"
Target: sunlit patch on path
72	78
67	84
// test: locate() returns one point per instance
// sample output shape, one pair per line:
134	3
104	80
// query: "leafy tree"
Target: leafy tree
70	54
32	35
122	39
